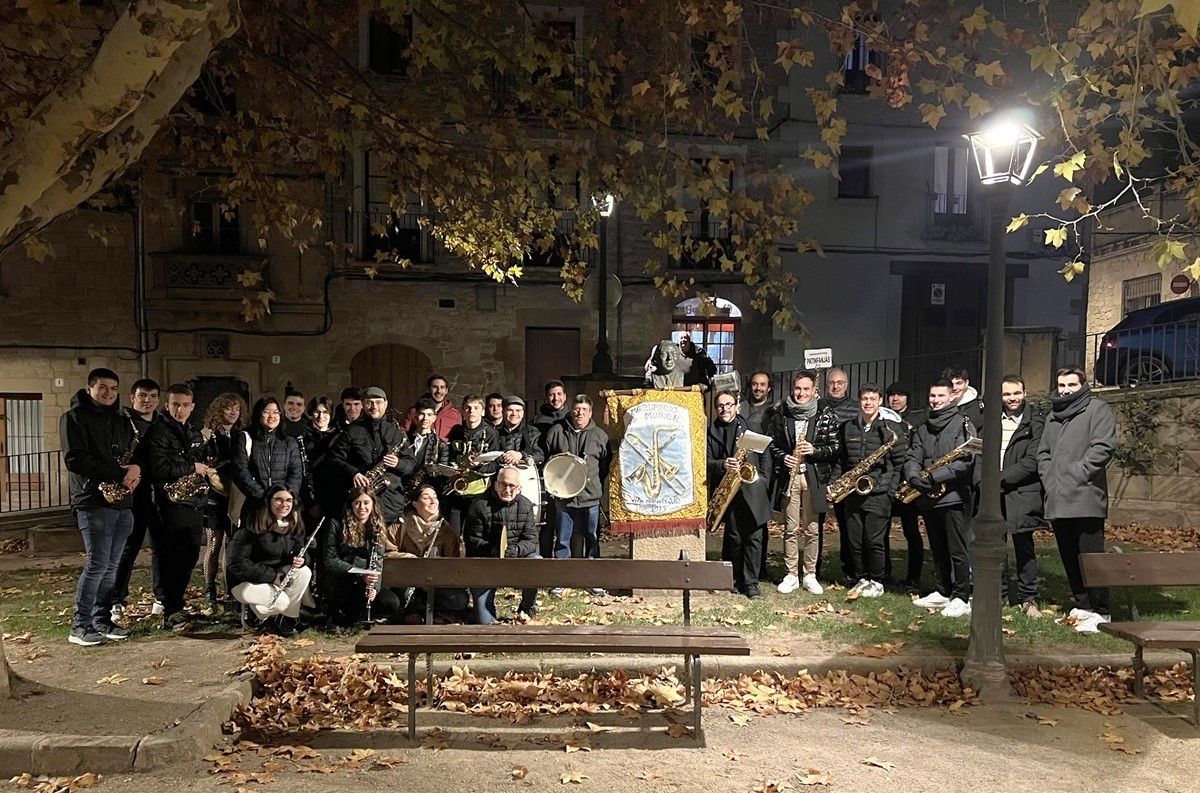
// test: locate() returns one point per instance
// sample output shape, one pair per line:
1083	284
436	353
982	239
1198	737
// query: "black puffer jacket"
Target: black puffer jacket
93	439
822	433
547	417
524	439
172	451
855	445
261	558
273	460
928	444
486	519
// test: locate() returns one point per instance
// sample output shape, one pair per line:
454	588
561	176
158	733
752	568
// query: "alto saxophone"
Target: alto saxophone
114	492
732	481
907	494
856	479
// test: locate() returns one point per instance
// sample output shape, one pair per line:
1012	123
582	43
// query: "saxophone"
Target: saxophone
114	492
856	480
377	474
907	494
732	482
187	487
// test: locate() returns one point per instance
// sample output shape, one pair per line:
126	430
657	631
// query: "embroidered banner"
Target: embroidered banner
658	481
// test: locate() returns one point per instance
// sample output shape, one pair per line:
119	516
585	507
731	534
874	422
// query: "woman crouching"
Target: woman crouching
423	533
355	542
265	570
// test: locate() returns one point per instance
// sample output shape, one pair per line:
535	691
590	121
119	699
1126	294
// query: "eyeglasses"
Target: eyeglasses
282	500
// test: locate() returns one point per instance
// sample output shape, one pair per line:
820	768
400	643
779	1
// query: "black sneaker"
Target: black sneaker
286	626
752	592
112	631
177	622
85	637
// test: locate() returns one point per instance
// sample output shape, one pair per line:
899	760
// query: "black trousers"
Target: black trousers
865	533
912	538
1027	568
347	600
1075	536
144	516
176	541
949	536
742	545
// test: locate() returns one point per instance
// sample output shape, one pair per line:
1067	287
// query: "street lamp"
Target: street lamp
602	360
1004	152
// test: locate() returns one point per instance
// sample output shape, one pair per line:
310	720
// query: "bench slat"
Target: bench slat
1177	635
1140	569
617	574
569	630
483	640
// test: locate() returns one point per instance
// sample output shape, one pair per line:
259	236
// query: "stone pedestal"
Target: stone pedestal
666	546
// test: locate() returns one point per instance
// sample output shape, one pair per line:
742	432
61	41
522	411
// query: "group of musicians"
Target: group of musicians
287	502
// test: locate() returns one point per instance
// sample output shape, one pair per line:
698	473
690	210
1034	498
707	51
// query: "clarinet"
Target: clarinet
291	573
375	563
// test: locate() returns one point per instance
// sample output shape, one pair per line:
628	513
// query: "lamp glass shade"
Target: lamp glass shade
1004	152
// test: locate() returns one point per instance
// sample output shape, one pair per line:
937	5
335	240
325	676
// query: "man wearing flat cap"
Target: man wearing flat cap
371	440
518	440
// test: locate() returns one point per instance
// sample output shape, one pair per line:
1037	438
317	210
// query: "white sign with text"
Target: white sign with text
818	359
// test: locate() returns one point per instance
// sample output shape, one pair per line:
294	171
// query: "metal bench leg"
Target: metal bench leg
1139	672
687	678
697	697
1196	689
412	696
429	656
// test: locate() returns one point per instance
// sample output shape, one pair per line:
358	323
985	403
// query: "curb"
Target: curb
68	755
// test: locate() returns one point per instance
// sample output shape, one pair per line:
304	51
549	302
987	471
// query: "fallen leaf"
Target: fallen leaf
303	643
361	754
519	772
650	776
780	652
812	776
573	778
740	719
678	730
877	763
159	664
732	754
114	680
1046	721
153	680
594	727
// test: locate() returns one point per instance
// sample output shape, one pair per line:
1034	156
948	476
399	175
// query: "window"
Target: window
705	234
384	230
854	166
856	79
558	35
387	44
712	326
1143	292
212	228
950	182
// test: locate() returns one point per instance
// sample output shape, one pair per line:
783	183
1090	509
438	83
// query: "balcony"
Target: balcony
400	236
185	274
564	239
705	242
953	217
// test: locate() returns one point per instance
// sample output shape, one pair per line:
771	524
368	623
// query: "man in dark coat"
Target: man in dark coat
1076	448
899	400
948	515
374	439
800	477
142	410
584	438
553	410
747	515
501	525
521	443
95	437
838	399
1020	433
174	450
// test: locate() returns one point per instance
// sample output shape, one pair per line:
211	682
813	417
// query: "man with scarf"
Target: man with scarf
948	516
800	477
1076	447
746	517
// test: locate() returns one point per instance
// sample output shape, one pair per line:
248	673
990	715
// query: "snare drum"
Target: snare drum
565	476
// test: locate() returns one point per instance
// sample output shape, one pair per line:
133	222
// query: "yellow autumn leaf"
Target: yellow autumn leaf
989	72
978	106
676	217
1020	221
1067	197
1070	270
634	146
1067	169
977	22
932	114
640	88
1186	12
1056	237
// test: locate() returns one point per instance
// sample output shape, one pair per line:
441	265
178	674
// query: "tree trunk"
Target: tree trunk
97	124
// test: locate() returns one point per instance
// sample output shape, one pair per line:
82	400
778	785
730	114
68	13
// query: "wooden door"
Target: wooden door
550	353
942	315
399	370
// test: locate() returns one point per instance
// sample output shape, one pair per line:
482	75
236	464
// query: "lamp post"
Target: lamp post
1004	152
602	360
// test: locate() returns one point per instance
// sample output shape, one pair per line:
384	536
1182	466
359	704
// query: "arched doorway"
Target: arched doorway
396	368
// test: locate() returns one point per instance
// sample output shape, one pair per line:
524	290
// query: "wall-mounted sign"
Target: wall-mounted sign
818	359
1180	284
937	294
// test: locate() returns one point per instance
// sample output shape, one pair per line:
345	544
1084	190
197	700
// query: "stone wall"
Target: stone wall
1168	492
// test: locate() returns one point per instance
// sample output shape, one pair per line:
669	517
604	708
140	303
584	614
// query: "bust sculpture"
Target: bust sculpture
666	372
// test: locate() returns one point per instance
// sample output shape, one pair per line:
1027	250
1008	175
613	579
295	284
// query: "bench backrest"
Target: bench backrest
569	573
1140	569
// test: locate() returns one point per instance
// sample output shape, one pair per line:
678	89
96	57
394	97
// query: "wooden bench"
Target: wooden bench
612	574
1149	569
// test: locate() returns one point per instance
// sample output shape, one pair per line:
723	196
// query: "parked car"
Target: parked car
1158	344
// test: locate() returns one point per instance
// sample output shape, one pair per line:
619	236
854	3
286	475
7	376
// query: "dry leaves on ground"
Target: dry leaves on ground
1157	537
875	650
60	784
1102	689
111	680
877	763
812	776
14	545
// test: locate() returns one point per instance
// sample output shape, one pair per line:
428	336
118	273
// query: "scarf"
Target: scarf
420	531
1071	404
798	412
938	420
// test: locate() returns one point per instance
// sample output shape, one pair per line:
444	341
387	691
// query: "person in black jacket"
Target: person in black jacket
174	450
799	481
356	541
947	516
748	513
370	441
501	525
910	418
468	440
426	447
262	553
838	399
94	437
553	410
264	456
868	515
224	419
142	409
581	436
329	489
699	368
1020	433
520	442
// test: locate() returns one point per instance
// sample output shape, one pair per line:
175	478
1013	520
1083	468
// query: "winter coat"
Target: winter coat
702	369
971	406
361	446
1072	457
339	556
1020	486
488	516
261	558
398	542
524	439
845	408
447	418
592	444
926	445
822	433
172	451
481	439
856	444
274	459
755	415
720	445
547	417
94	438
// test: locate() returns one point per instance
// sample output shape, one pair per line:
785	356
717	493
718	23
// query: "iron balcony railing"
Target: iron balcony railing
33	481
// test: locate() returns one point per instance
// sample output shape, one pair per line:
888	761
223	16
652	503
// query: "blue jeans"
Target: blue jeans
105	532
571	518
485	600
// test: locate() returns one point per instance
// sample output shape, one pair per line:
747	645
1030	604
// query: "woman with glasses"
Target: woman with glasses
264	457
266	571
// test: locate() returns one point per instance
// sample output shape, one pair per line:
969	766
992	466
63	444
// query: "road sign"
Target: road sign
937	294
1180	284
818	359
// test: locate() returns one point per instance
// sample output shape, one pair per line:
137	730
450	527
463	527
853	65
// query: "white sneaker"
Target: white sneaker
1091	624
788	585
858	586
934	600
598	592
810	585
117	612
1079	615
873	589
157	609
956	608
